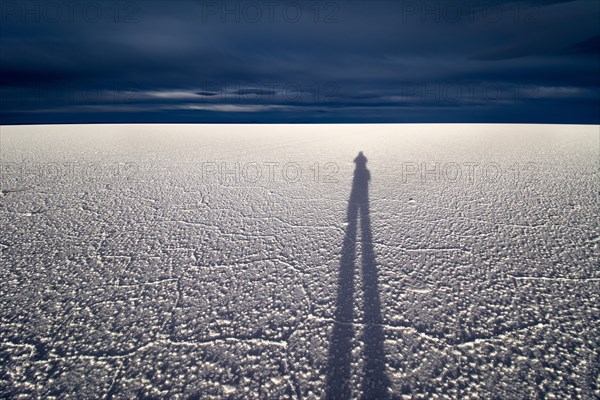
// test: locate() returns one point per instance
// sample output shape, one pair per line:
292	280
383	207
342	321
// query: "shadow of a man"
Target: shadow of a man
374	380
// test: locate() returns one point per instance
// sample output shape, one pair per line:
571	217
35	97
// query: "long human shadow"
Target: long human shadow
374	380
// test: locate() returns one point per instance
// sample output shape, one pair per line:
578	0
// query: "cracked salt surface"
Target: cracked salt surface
229	262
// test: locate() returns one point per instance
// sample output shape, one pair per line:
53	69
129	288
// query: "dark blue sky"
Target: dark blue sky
300	61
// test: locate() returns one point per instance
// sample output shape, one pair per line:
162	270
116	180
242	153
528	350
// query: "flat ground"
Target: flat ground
250	262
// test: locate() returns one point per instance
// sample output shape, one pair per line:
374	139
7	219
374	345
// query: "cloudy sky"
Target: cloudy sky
273	61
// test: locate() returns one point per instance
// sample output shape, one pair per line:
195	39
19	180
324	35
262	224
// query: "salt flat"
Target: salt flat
261	262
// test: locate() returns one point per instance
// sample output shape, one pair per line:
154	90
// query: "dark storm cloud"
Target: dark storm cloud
285	61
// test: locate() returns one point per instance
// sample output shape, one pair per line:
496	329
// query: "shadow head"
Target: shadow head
360	161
